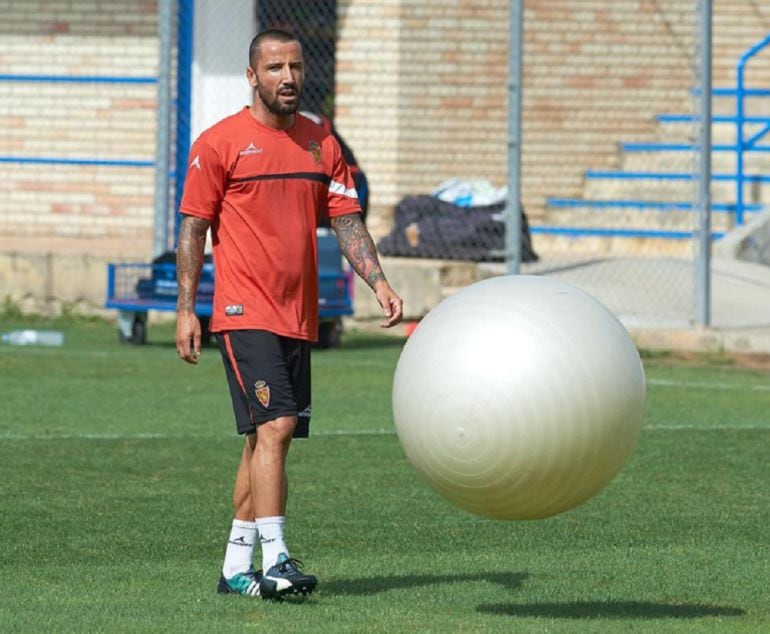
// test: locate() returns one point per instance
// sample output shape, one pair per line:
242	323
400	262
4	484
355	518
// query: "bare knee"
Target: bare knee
275	435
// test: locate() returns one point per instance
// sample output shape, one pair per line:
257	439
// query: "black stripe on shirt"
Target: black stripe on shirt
309	176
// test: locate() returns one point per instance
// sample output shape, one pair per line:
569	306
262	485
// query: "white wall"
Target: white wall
223	31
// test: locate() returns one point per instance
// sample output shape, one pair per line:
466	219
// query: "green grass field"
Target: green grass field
116	464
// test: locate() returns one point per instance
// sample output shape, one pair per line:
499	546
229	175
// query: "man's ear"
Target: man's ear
251	76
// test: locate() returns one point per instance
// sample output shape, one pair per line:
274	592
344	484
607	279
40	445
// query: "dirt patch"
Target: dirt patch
754	361
750	361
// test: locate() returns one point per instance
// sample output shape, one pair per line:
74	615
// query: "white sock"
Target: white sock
240	548
270	531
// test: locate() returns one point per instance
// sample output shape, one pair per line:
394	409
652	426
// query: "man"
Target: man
261	179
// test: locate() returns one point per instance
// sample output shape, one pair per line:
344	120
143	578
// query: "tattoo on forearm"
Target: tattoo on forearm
189	260
358	247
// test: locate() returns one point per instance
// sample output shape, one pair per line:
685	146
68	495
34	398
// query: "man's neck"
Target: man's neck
270	119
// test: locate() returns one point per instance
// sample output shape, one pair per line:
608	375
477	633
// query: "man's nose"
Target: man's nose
287	76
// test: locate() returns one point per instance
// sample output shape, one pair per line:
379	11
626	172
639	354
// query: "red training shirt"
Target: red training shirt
264	190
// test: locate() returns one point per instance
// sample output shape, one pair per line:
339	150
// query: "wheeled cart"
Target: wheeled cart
135	289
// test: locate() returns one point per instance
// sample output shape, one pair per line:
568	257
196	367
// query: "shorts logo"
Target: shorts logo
262	390
315	151
234	310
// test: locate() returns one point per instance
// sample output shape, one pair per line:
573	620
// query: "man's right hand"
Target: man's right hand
189	262
188	336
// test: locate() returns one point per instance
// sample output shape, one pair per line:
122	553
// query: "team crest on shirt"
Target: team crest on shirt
262	390
315	151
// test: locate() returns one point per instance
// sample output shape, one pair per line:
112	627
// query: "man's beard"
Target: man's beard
274	105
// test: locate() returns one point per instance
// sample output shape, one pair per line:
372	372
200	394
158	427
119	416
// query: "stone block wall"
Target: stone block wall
105	209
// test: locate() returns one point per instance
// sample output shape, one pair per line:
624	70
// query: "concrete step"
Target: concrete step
679	186
645	207
684	131
756	104
661	217
631	223
420	281
683	157
617	228
674	128
552	245
663	205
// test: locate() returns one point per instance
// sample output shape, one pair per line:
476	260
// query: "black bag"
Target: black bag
427	227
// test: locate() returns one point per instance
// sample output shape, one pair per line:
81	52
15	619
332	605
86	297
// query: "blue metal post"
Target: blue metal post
185	35
740	116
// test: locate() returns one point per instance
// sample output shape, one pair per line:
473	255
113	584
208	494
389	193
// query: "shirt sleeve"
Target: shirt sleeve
204	185
343	198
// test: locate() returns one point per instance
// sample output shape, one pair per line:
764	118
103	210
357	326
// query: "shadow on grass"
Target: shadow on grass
610	610
375	585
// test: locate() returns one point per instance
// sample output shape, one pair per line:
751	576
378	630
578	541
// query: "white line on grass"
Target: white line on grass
56	352
705	385
337	432
690	427
152	436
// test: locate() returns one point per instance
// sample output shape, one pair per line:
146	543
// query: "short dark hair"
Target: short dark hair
269	34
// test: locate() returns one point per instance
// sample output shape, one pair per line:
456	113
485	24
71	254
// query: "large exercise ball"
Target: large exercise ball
519	397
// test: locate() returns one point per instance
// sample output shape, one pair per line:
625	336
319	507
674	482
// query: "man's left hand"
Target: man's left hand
392	304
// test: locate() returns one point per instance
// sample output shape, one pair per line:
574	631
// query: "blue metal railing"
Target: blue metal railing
79	79
740	209
742	144
76	79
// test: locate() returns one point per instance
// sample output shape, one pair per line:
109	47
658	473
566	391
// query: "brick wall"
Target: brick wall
107	209
421	97
367	100
422	93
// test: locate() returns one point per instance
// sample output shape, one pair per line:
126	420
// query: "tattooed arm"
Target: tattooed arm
189	262
358	247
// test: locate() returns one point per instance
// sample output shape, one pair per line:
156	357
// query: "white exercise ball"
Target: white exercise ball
519	397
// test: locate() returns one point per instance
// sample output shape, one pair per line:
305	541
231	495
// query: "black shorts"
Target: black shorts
269	377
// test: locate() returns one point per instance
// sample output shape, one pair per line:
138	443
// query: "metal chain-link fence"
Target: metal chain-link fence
418	90
610	130
222	36
628	230
219	35
625	230
314	22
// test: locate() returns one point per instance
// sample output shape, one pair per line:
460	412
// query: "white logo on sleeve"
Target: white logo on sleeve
196	162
